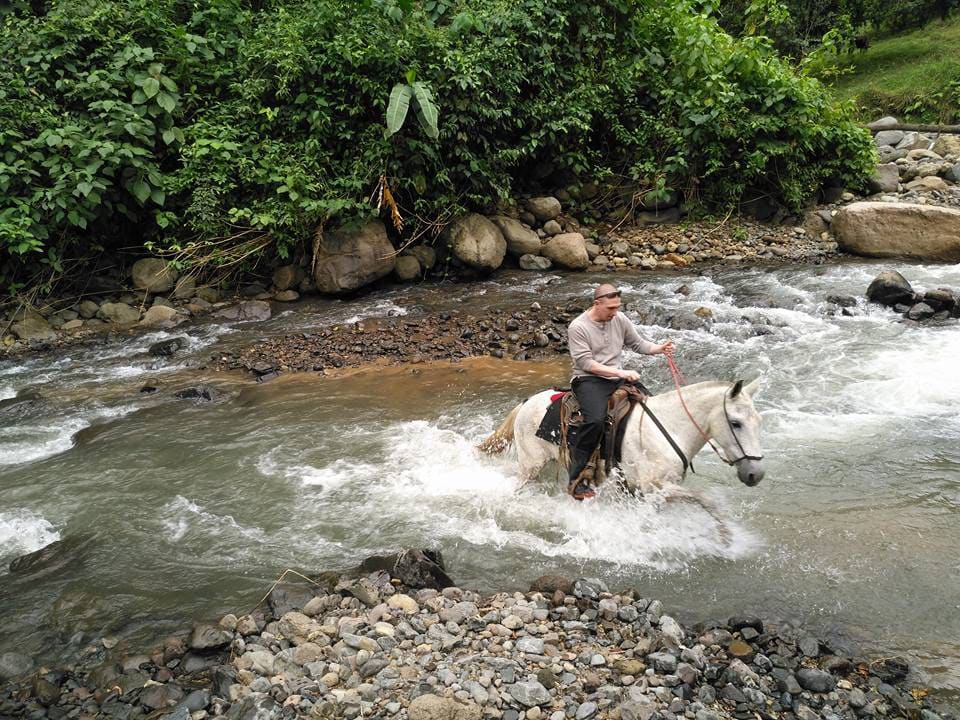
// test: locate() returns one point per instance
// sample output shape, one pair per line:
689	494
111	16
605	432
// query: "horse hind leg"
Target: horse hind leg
675	494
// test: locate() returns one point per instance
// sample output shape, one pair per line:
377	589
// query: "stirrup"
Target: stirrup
582	491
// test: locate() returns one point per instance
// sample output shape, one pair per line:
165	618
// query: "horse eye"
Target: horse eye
736	424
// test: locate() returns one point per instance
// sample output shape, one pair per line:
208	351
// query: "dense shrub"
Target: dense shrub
166	121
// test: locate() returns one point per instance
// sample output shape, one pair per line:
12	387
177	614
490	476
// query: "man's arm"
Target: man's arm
636	342
583	358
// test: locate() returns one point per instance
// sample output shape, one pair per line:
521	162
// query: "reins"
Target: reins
678	381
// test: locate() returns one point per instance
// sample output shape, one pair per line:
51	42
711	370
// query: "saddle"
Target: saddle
563	417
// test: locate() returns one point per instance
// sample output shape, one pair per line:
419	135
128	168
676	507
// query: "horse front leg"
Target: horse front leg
672	493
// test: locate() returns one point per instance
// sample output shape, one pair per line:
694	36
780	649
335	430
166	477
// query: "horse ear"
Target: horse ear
752	387
737	387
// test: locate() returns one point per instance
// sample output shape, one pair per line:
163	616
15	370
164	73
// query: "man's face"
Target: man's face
607	308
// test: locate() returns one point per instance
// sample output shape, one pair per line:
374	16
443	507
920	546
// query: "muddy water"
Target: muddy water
178	510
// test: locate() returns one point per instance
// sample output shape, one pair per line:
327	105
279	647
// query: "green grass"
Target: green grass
914	77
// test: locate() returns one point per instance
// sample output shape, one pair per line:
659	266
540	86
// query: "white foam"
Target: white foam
7	392
22	532
27	442
434	471
180	516
382	308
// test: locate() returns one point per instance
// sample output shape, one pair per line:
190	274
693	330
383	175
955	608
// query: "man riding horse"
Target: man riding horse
596	339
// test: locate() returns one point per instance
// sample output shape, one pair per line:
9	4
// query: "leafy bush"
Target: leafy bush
196	126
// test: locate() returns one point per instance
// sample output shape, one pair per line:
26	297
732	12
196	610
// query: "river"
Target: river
182	510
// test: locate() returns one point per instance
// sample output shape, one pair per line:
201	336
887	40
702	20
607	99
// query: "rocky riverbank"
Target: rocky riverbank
396	639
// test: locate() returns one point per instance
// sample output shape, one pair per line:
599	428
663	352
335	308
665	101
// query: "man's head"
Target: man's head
606	302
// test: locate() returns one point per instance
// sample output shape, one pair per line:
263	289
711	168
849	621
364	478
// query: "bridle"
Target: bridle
678	381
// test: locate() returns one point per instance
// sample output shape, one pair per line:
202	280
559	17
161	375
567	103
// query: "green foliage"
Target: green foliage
915	76
172	122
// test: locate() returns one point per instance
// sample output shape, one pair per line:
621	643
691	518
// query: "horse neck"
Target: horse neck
700	400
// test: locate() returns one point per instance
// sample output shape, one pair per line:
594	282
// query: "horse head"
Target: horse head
735	426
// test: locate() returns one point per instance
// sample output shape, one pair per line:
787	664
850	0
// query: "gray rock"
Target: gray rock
552	227
814	680
885	123
209	637
544	208
663	662
530	645
156	697
119	313
809	646
33	327
529	694
921	311
407	268
87	309
567	251
425	254
535	262
254	707
246	311
520	240
857	698
185	288
881	229
586	710
662	216
287	296
589	588
888	137
476	242
153	275
349	258
947	144
434	707
885	178
160	315
890	288
640	709
287	276
889	154
14	665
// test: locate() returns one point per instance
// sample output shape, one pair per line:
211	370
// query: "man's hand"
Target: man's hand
665	349
630	375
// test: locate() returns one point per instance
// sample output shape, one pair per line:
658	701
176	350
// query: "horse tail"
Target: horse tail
502	437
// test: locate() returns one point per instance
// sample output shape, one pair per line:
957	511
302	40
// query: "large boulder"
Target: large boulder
520	240
890	288
153	275
568	250
476	242
349	258
535	262
878	229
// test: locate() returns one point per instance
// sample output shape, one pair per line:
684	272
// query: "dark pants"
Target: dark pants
593	394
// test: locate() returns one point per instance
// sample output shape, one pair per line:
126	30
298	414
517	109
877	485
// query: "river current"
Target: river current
178	510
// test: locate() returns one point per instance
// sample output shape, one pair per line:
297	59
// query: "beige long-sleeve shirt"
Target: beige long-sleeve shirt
602	342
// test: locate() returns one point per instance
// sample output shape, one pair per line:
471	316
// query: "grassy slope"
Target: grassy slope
908	76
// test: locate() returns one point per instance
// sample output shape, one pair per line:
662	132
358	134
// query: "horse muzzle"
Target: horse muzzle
750	471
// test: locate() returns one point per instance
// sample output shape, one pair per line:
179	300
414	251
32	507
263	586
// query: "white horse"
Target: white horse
719	413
